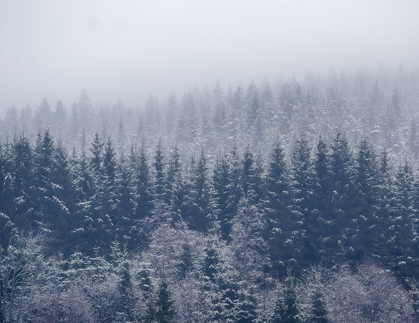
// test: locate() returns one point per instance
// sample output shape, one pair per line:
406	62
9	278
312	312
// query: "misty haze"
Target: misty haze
209	161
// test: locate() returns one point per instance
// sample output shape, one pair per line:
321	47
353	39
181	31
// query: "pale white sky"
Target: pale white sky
131	48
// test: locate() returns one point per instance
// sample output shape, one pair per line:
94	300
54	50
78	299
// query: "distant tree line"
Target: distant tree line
381	105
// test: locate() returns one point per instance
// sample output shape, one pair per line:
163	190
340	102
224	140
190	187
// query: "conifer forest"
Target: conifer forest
272	202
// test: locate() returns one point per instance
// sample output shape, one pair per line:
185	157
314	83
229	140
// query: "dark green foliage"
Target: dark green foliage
145	200
125	308
344	230
258	180
234	190
220	180
286	307
159	172
173	175
5	181
319	313
282	229
6	195
164	311
210	263
124	215
145	283
185	261
248	173
245	309
332	207
367	201
302	191
109	181
200	214
96	159
403	234
223	307
102	173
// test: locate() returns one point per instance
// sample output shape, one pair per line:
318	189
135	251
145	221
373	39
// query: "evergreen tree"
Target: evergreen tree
84	229
344	225
64	191
258	180
210	262
185	260
159	172
54	194
84	109
282	225
173	175
302	178
96	159
319	313
125	307
225	303
247	243
125	207
145	200
234	190
404	235
43	167
109	180
164	309
386	201
103	181
367	199
220	180
5	177
413	139
201	214
146	285
43	116
248	174
245	309
286	310
6	196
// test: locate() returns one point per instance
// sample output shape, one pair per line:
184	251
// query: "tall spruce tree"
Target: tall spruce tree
109	179
404	235
173	174
302	173
124	215
160	176
342	208
102	221
6	196
43	167
145	200
387	204
234	190
248	173
318	313
367	200
286	310
281	224
220	180
201	214
64	190
126	304
164	308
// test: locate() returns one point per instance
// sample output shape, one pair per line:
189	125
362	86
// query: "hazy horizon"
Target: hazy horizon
132	49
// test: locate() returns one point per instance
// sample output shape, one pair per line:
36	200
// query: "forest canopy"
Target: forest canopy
264	203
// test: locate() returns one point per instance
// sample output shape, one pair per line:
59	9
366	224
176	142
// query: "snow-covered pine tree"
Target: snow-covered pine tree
281	222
